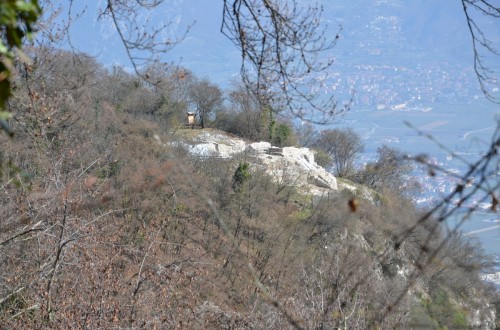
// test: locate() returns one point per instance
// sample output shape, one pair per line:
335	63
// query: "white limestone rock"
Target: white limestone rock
327	182
289	166
203	150
258	148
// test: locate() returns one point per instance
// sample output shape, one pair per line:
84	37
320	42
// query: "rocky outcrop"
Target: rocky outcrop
258	148
290	166
293	166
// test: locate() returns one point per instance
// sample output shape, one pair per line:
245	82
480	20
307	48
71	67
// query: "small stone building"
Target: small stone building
191	118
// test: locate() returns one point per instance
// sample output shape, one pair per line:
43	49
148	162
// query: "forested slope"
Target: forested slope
104	227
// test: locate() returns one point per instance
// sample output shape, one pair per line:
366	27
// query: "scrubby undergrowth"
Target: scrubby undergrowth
104	227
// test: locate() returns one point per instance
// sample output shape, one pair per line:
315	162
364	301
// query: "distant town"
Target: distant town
388	69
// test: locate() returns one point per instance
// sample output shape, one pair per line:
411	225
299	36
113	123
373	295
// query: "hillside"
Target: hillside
110	220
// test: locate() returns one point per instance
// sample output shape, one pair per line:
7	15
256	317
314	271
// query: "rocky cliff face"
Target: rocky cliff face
286	166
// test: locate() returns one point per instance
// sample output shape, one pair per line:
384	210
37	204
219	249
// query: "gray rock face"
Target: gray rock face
318	180
289	166
257	148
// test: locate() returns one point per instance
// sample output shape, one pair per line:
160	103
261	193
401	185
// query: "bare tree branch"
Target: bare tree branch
480	183
481	43
281	46
143	41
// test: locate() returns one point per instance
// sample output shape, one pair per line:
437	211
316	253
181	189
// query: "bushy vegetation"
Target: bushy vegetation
343	146
111	226
248	118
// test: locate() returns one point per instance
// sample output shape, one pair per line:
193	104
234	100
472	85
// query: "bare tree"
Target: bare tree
481	43
307	134
243	116
342	145
143	40
280	44
207	98
391	170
